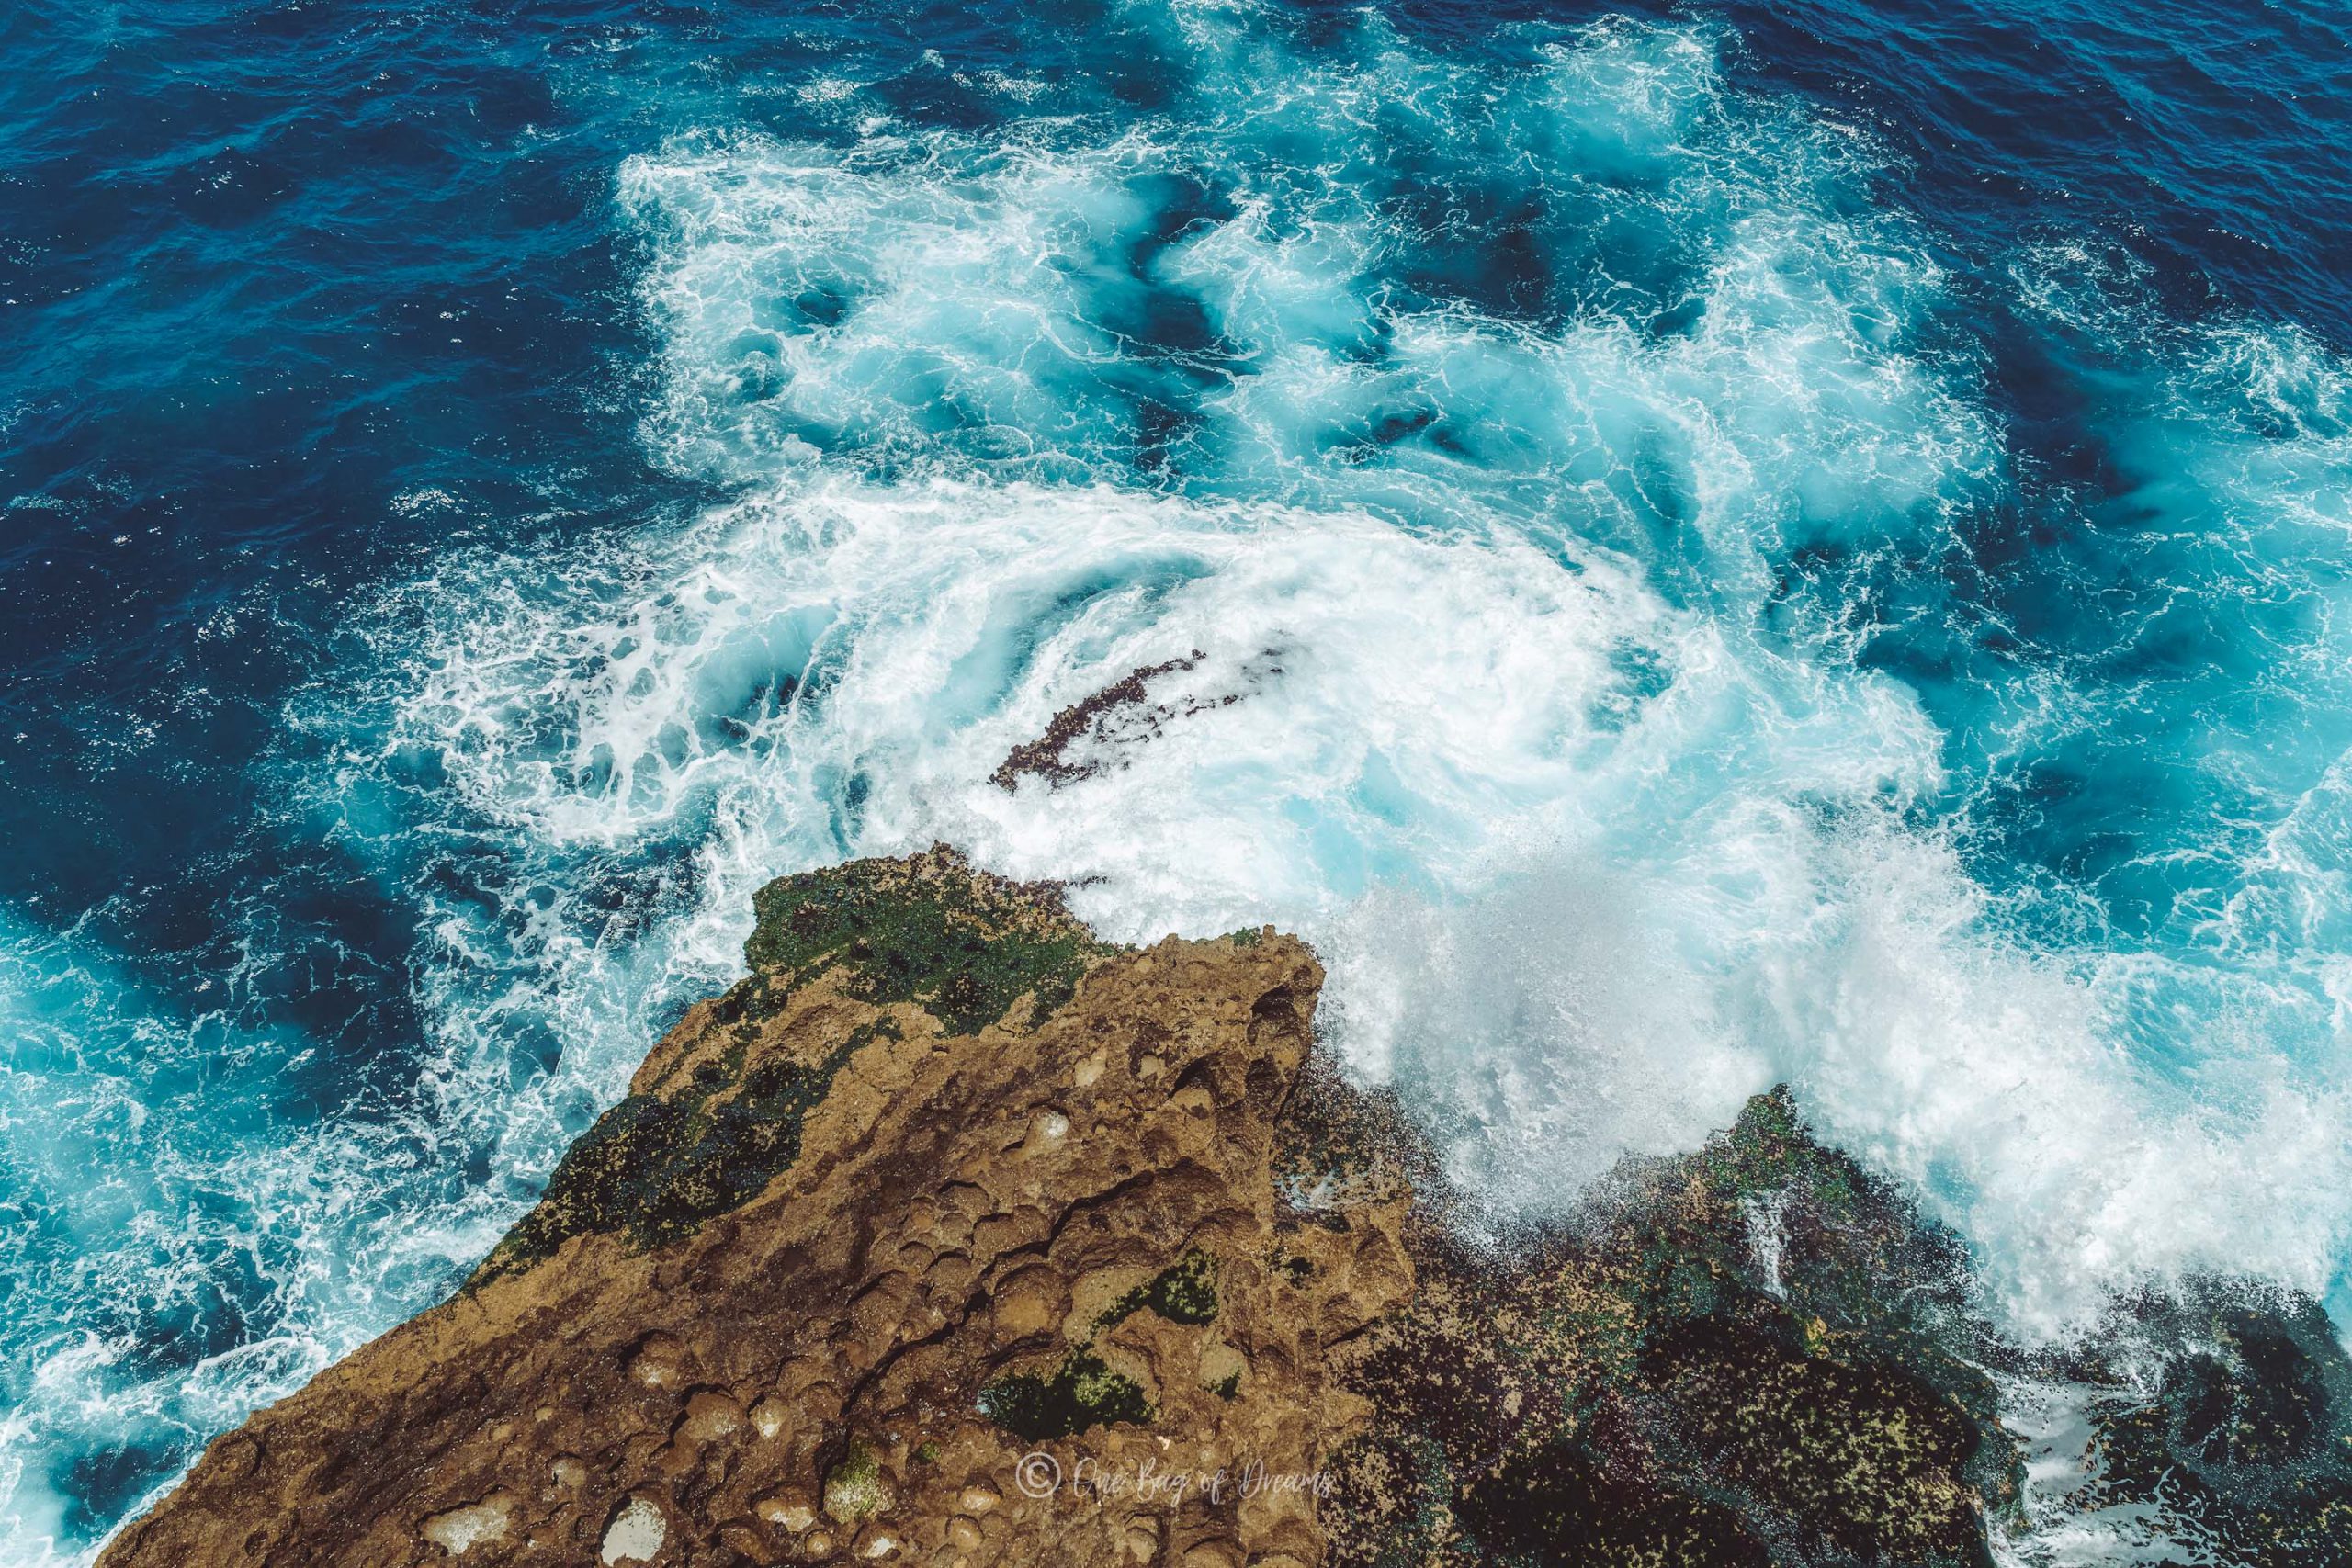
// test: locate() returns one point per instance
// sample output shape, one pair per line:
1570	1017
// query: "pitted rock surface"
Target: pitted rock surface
845	1254
948	1196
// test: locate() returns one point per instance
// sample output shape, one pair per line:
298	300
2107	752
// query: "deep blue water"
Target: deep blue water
1792	540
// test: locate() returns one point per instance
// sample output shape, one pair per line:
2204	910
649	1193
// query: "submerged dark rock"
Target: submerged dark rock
1758	1354
2233	1428
1751	1354
1121	712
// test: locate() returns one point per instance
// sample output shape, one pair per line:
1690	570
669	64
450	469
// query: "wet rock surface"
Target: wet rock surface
1744	1356
2224	1414
954	1235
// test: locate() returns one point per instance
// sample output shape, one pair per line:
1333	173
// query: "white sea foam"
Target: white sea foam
1541	690
1585	876
87	1073
1513	690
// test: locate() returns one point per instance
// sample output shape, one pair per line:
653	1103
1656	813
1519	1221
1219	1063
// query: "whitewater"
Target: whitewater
1601	598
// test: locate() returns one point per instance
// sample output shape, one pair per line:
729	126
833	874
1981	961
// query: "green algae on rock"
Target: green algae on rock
854	1487
925	930
1184	1293
1083	1393
961	944
1747	1355
657	1168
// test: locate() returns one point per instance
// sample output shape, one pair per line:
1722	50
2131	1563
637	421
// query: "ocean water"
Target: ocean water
1728	543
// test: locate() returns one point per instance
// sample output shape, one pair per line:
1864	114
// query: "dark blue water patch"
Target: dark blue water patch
302	301
104	1486
2200	136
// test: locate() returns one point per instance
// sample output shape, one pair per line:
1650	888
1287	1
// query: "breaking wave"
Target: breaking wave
1603	573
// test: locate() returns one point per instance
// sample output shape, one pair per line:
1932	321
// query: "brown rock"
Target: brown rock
954	1237
888	1216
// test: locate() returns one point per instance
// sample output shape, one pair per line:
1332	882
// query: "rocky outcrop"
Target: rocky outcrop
1750	1355
1758	1354
954	1235
1047	756
944	1181
2222	1415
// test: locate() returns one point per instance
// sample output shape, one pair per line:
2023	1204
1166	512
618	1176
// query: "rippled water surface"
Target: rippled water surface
1780	541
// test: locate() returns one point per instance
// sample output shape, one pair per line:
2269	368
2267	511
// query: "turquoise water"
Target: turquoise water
1725	546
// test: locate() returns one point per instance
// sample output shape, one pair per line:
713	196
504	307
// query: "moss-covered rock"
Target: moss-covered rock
1751	1354
656	1167
2239	1440
1843	1460
925	930
1559	1507
928	930
1185	1293
1082	1393
854	1487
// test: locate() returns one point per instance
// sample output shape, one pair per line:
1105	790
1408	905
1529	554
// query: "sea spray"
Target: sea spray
1665	561
1617	534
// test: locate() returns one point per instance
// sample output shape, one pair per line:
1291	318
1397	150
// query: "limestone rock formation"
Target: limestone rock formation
943	1182
954	1236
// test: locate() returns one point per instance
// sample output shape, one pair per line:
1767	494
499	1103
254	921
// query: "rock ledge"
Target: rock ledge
954	1235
